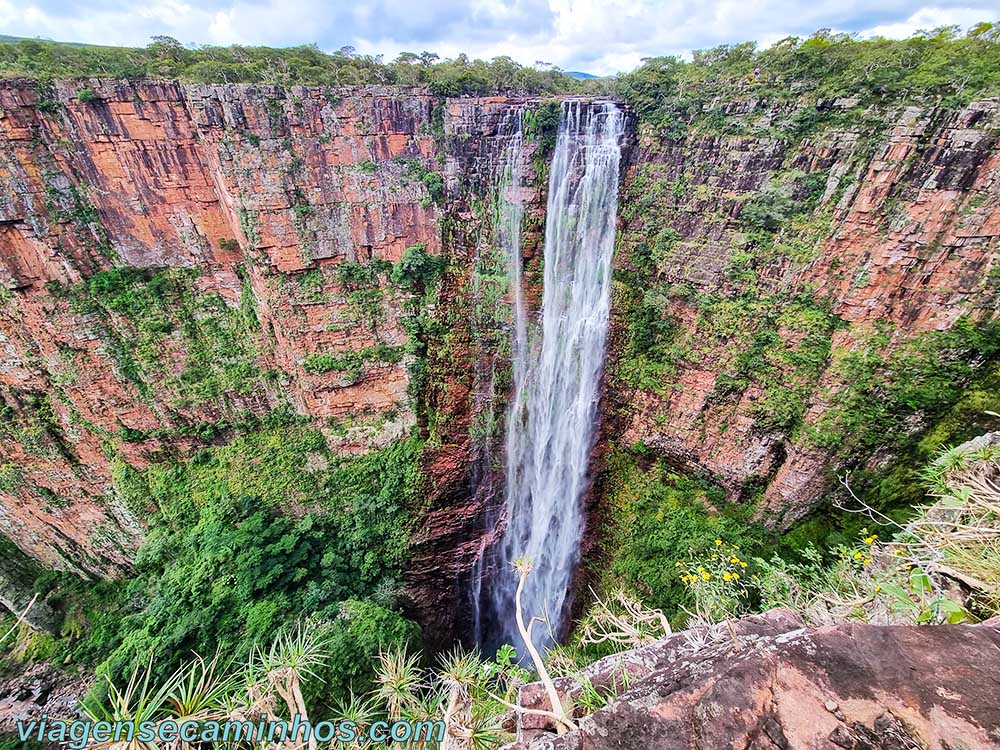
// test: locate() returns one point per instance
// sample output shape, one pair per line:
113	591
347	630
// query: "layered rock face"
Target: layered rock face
767	682
781	291
269	217
180	263
469	379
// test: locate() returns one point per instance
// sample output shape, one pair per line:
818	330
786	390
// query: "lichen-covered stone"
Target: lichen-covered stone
767	682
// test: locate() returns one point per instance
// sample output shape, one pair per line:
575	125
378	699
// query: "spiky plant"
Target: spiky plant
430	706
362	711
141	700
959	535
202	690
293	657
301	649
485	731
459	667
359	711
399	681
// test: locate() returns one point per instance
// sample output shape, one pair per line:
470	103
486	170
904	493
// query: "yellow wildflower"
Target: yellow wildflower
858	555
742	564
718	542
727	577
736	576
707	576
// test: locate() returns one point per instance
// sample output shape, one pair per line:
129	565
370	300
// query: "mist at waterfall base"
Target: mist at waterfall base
557	361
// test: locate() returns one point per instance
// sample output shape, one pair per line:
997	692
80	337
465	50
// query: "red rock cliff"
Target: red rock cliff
264	191
776	287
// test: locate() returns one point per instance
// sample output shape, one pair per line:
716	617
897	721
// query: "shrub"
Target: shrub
11	478
434	183
542	126
352	362
662	518
718	579
417	270
355	634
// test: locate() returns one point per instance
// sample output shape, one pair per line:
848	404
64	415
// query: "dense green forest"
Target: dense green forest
306	65
947	63
944	64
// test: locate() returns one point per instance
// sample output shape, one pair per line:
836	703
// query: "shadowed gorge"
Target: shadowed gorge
313	365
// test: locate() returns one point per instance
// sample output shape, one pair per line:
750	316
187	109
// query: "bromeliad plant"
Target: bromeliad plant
959	535
203	691
470	695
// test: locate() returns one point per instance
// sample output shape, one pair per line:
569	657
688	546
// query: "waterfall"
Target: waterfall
557	369
496	271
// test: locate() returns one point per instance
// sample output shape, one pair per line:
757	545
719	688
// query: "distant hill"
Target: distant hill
8	38
580	76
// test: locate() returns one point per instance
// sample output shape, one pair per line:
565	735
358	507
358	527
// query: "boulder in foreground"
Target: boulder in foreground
767	682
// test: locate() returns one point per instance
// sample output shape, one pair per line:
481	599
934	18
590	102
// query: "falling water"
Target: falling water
550	424
496	270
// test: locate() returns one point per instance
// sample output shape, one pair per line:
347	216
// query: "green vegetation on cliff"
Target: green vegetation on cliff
144	313
166	58
722	278
245	538
657	517
941	65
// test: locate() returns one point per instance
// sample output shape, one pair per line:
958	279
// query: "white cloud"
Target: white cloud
927	19
598	36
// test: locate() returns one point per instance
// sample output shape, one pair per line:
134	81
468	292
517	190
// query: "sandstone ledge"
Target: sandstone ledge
768	682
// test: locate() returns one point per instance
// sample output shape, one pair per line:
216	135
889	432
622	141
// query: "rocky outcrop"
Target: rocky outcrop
38	692
768	260
767	682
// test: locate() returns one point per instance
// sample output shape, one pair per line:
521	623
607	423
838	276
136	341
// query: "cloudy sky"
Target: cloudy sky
597	36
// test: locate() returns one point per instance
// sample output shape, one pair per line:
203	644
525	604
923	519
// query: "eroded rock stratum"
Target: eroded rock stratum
181	263
768	682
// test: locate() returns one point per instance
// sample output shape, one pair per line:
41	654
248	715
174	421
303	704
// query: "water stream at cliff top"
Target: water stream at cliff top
557	370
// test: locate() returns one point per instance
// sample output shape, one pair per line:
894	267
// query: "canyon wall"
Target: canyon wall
263	194
182	263
794	300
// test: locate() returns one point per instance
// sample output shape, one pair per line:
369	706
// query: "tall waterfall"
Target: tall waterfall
496	270
557	369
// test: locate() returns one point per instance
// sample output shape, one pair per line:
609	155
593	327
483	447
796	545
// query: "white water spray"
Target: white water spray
495	270
550	424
